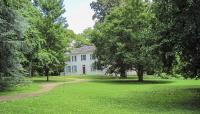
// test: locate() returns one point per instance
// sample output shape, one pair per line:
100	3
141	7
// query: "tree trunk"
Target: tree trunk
195	74
47	73
140	73
31	68
123	73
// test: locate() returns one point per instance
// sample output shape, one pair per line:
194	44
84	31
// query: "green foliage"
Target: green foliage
82	39
87	33
177	29
103	8
167	76
121	40
11	32
33	37
46	38
52	28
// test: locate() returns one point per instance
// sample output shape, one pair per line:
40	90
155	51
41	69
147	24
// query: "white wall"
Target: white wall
88	63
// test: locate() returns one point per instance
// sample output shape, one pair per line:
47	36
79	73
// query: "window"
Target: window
73	58
83	57
69	69
92	57
74	68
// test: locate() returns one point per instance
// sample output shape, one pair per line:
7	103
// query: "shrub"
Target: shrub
164	76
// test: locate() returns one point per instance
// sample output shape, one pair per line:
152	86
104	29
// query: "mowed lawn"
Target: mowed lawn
113	96
33	84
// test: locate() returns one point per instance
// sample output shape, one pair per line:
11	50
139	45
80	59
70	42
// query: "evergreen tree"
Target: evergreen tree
11	71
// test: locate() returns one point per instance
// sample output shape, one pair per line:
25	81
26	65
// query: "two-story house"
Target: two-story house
81	62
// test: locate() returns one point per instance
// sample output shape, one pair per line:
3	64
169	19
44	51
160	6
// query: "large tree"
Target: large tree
178	30
120	39
32	36
11	41
53	30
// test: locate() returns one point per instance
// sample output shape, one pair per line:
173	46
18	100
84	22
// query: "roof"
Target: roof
83	50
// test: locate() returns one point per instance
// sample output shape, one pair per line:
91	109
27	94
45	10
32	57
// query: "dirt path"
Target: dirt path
44	88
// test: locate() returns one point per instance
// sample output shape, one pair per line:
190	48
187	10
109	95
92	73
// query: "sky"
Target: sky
79	14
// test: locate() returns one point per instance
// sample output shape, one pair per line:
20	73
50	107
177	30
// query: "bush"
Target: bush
169	76
164	76
177	76
10	81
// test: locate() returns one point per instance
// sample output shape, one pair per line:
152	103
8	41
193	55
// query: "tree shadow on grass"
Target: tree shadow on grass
163	103
194	102
121	81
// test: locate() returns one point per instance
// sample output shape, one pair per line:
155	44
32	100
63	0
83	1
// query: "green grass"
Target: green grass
113	96
34	85
21	89
54	79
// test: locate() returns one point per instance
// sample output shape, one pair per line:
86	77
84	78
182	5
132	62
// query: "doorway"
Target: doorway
84	70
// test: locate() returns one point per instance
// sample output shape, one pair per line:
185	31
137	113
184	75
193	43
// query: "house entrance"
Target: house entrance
84	70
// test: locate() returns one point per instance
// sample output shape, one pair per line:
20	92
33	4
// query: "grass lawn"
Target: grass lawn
112	96
21	89
34	85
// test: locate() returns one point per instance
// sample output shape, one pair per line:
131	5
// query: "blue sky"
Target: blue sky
79	14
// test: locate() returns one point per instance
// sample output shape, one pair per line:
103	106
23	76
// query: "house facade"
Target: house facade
81	62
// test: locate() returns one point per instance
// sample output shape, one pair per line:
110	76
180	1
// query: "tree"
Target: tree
32	36
83	38
120	39
87	33
11	71
53	29
103	8
177	31
164	23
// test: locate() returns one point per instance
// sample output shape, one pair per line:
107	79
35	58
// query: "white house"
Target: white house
81	62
